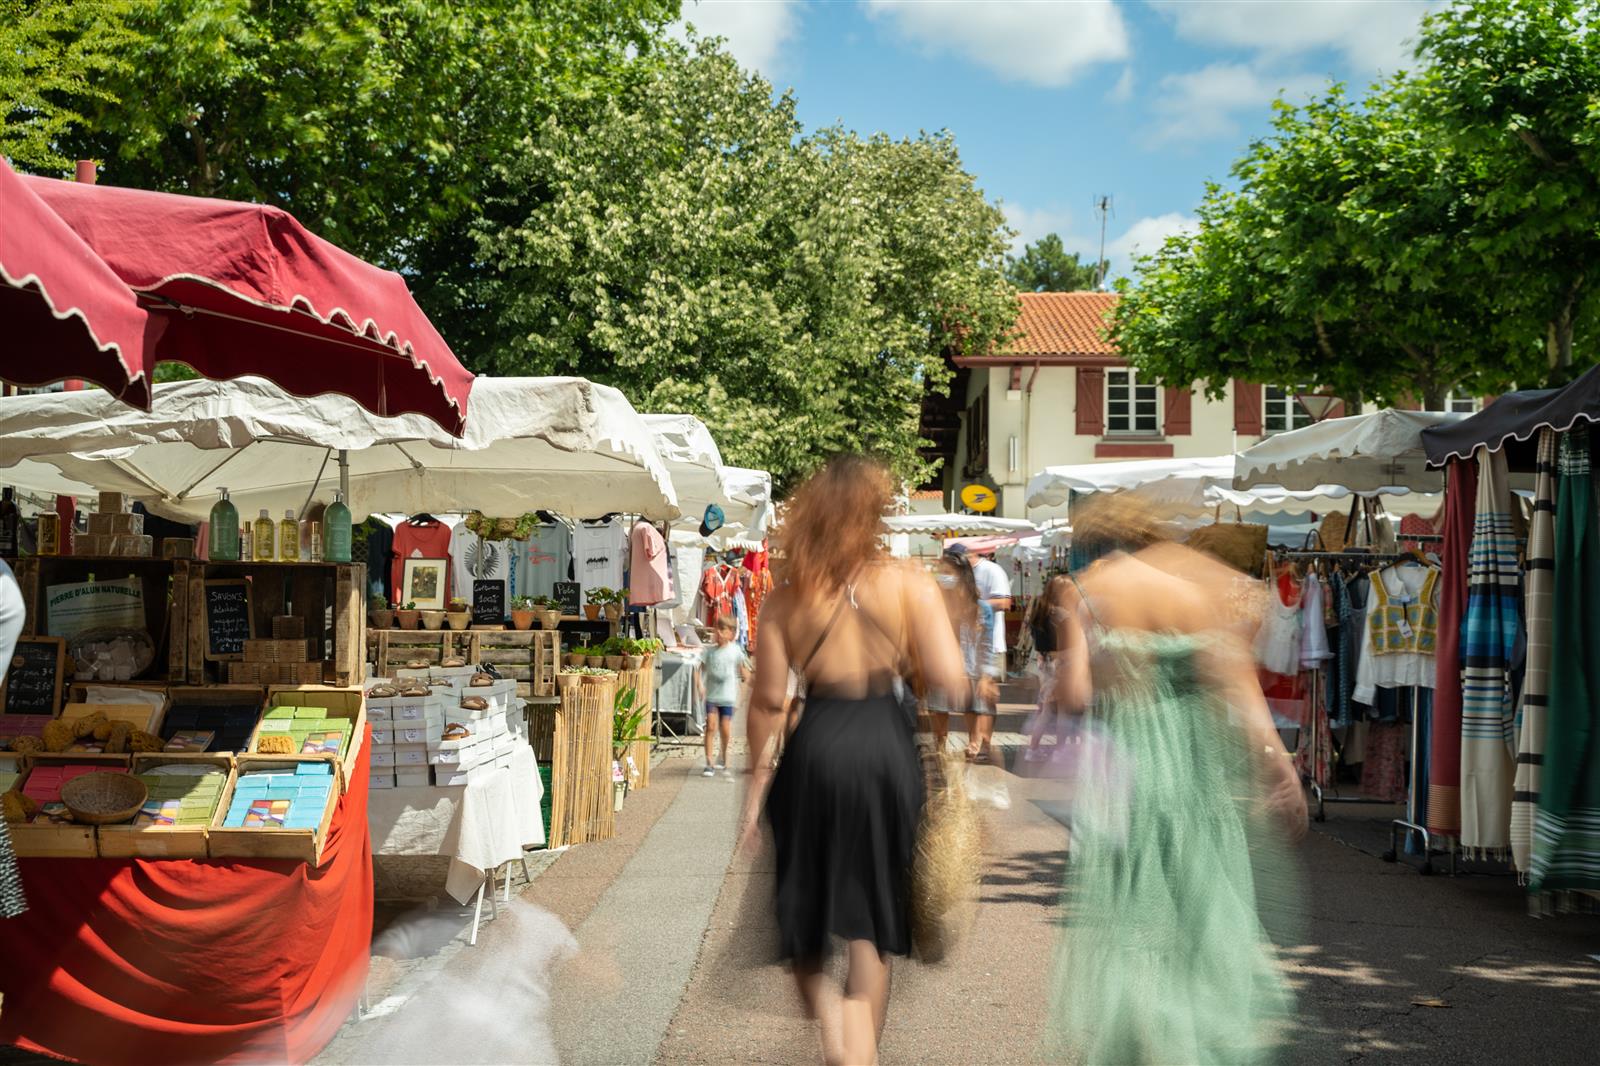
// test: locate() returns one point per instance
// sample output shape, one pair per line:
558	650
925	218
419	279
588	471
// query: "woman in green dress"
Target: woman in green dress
1182	816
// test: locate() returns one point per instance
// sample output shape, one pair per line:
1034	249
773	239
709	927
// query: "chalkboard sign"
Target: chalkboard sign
230	619
569	594
488	602
33	677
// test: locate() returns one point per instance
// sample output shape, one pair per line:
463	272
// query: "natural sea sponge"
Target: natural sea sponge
90	725
27	745
141	742
117	738
59	735
275	744
18	807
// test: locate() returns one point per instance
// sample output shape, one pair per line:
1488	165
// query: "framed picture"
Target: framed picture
423	583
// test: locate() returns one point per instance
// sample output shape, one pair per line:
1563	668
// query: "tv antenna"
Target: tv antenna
1103	208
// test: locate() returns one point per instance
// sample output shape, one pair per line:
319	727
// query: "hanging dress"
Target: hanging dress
844	806
1165	957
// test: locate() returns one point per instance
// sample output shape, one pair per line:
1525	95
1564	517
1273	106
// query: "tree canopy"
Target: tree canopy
1045	265
1400	246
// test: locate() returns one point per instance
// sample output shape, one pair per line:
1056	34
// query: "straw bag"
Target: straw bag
945	873
1242	545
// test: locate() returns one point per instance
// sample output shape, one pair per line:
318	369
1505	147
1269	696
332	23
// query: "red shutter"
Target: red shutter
1178	422
1246	408
1091	401
1336	411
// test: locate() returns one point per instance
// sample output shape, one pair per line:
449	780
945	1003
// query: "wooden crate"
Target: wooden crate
642	681
574	738
391	649
348	703
217	696
49	841
165	584
165	841
303	845
529	656
327	597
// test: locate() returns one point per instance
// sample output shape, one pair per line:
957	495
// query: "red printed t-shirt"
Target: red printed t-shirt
413	541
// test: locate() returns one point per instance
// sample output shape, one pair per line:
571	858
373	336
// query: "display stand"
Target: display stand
531	657
328	597
573	737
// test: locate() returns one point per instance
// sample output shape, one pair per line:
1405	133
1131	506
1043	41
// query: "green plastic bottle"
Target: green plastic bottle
336	531
224	532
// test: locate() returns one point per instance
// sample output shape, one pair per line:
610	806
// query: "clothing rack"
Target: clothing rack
1410	821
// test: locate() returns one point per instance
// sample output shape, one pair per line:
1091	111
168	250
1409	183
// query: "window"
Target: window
1461	403
977	436
1281	412
1132	406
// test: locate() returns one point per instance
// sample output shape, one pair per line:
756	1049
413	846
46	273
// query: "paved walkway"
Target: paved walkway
668	955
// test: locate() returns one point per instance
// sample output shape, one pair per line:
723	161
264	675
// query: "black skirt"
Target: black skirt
844	807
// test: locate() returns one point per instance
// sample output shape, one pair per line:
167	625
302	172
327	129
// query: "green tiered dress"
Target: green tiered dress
1174	878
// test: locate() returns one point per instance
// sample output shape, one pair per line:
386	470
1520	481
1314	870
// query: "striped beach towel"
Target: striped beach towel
1540	572
1489	635
1444	762
1566	832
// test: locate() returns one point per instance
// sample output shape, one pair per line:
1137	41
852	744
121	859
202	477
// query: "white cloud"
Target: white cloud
1373	35
1144	237
1122	91
756	30
1201	105
1042	44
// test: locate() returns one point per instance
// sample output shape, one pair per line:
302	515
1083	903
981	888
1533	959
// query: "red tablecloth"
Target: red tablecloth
138	961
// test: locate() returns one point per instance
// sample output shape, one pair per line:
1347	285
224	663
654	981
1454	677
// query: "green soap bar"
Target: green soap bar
309	712
274	713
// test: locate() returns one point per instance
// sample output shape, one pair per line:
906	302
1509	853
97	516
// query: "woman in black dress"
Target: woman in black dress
845	799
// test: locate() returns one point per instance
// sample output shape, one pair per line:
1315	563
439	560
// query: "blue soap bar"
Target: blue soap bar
313	769
302	821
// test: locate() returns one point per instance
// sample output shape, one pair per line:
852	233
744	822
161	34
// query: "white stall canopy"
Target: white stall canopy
1378	452
558	444
956	525
690	454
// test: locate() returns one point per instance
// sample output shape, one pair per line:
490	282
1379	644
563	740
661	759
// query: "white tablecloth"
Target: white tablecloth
479	825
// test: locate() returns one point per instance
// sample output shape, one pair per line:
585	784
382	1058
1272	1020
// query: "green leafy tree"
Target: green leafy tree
55	56
1045	265
687	242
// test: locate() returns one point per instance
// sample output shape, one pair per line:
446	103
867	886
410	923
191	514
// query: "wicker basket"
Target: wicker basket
103	798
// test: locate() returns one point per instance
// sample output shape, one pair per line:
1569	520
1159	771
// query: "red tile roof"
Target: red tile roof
1062	324
928	494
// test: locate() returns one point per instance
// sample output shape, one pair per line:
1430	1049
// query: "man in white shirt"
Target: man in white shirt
994	587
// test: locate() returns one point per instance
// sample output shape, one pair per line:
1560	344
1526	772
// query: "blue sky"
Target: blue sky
1056	103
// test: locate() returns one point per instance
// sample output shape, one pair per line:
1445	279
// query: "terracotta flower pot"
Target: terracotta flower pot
407	619
522	619
591	611
634	662
382	619
613	662
574	660
461	621
568	681
614	611
552	619
433	619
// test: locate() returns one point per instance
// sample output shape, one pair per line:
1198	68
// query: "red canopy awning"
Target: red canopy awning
245	289
64	313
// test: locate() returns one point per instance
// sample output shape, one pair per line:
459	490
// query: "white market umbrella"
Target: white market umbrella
957	525
1380	451
558	444
692	458
1177	482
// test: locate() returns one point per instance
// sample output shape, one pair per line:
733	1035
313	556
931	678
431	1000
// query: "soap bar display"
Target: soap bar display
180	796
281	799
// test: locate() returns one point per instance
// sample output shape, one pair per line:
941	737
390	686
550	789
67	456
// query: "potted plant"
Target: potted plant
549	611
611	651
647	651
521	612
595	675
408	617
379	611
460	614
594	601
569	678
633	654
613	606
628	724
433	619
577	655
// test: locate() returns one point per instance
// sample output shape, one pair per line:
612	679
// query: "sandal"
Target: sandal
439	682
474	703
416	664
481	680
454	662
456	731
382	692
413	691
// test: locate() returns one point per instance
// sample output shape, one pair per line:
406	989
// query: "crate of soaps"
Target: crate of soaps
275	809
48	831
212	718
182	794
315	721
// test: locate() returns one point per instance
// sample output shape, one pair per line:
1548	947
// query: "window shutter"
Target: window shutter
1336	411
1179	421
1246	408
1091	401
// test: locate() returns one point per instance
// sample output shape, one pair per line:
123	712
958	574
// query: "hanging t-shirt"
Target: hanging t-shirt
542	560
600	555
688	564
380	559
429	540
647	569
474	559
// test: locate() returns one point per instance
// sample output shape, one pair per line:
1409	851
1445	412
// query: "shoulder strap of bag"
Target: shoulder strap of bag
833	620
